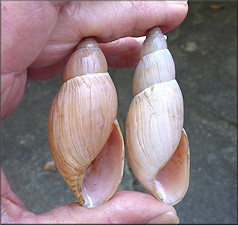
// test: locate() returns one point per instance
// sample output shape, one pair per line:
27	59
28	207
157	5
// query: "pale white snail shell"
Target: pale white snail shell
156	143
84	136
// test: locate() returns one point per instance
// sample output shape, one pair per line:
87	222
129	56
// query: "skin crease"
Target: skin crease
37	39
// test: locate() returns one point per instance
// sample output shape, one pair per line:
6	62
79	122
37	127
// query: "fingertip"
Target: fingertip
140	208
176	14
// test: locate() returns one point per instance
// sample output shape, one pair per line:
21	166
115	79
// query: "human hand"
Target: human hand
37	40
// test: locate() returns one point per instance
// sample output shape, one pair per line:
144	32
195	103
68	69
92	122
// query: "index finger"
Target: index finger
108	21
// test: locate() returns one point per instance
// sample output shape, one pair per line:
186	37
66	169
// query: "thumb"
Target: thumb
124	207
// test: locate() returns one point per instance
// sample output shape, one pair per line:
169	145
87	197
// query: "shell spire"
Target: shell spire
84	136
156	143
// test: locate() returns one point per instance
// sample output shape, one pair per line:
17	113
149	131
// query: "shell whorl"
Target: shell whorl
88	58
83	127
155	40
154	124
156	64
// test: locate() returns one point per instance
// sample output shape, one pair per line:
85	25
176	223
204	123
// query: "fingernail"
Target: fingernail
166	218
178	2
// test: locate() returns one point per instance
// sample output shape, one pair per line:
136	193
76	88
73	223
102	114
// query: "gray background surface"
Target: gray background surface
204	48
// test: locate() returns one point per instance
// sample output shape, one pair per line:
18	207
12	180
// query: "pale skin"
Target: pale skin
37	39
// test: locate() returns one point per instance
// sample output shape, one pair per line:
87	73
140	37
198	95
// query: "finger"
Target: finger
133	18
124	207
12	90
7	192
13	209
122	53
44	73
26	27
108	21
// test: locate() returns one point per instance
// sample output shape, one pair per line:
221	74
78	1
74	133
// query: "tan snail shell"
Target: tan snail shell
156	143
84	136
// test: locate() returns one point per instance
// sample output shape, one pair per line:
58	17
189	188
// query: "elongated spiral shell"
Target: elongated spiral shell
84	136
156	143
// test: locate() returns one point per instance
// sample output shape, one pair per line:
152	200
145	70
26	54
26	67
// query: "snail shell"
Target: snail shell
157	145
84	136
